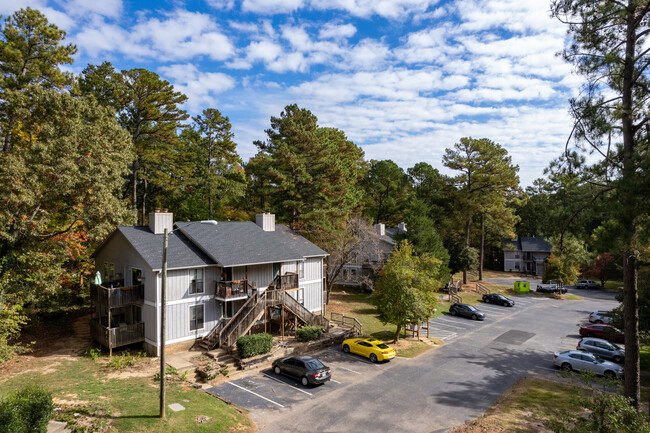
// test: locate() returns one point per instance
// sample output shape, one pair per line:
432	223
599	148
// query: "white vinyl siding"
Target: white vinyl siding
313	294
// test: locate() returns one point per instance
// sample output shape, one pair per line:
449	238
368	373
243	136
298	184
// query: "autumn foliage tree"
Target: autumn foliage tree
405	290
602	268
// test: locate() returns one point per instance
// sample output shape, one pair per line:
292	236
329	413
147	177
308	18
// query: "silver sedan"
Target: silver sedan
578	360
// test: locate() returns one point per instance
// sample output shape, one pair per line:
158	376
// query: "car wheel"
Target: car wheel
304	381
609	374
599	321
566	366
346	348
487	300
277	370
617	359
373	357
474	317
452	312
590	334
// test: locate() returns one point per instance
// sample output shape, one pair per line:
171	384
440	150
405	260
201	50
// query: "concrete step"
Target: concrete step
220	355
57	427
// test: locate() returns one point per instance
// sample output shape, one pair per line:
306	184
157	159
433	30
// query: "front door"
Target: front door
276	270
228	313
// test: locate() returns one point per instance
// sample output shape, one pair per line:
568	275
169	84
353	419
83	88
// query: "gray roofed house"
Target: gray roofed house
362	271
214	268
526	254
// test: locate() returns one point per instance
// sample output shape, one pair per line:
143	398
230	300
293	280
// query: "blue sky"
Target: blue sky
404	79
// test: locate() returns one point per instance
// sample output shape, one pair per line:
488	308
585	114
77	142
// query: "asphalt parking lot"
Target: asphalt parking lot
448	327
266	390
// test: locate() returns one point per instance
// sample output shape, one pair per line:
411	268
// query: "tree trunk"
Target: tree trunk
631	329
467	225
632	384
399	328
482	252
144	201
134	192
9	137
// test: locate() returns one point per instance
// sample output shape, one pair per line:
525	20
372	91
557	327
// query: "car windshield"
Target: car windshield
471	308
382	346
314	364
599	359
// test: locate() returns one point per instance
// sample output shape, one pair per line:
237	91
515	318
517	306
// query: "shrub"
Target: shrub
309	333
255	344
93	353
26	410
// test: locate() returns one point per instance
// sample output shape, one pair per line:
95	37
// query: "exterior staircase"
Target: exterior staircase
225	334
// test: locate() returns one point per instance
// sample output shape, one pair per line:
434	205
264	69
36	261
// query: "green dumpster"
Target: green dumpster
522	287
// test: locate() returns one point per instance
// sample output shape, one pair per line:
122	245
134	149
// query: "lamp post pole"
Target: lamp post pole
163	301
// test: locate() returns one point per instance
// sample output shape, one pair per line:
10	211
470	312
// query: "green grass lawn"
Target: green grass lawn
129	404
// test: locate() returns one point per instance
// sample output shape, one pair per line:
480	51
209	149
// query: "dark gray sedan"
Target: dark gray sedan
307	369
499	299
467	311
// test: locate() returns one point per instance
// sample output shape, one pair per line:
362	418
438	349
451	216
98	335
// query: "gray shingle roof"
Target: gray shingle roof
237	243
527	243
181	253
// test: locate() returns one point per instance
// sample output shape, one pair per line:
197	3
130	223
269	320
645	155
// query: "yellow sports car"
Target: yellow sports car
372	349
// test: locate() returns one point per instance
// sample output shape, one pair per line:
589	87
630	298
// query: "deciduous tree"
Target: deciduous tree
405	290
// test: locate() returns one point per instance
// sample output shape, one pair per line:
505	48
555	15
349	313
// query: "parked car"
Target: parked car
607	332
602	348
587	284
578	360
600	317
467	311
498	298
372	349
552	289
307	369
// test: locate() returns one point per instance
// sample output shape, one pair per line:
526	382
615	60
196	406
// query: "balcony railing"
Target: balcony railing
118	336
118	296
232	289
287	281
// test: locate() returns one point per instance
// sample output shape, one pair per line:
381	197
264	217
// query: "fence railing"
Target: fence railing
231	289
480	288
348	321
118	296
118	336
285	282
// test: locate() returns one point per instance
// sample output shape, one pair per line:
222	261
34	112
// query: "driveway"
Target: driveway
437	390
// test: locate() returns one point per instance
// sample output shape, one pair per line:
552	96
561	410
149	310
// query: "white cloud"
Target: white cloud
107	8
201	88
336	31
178	35
271	7
394	9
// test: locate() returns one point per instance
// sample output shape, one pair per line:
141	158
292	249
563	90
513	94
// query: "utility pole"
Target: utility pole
163	301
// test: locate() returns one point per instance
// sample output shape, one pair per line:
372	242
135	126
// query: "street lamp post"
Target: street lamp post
163	301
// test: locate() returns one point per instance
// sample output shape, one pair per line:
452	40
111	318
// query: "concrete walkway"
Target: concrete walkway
57	427
182	361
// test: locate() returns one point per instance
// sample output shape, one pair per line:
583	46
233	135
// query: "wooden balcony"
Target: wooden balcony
288	281
117	296
118	336
226	290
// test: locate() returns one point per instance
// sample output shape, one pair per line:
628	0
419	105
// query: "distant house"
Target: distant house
372	256
526	254
222	279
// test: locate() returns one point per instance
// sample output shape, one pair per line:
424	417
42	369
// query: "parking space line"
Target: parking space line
347	369
356	358
288	384
335	381
436	324
256	394
456	322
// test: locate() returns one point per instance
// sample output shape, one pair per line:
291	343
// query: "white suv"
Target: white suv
600	317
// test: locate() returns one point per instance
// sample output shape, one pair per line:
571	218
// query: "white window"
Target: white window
196	281
301	270
301	296
109	271
345	274
196	317
353	274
